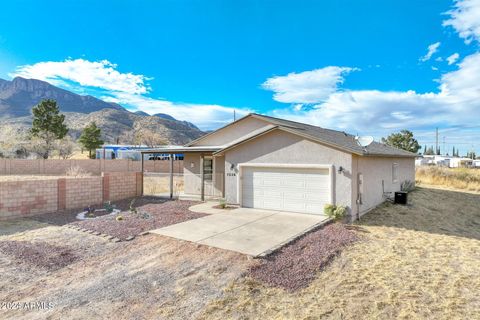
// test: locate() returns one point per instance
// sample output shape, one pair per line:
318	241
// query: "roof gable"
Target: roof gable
333	138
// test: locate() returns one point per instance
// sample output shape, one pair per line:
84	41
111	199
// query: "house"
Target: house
269	163
461	162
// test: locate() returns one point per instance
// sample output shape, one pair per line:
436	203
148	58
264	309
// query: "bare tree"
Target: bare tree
65	148
149	138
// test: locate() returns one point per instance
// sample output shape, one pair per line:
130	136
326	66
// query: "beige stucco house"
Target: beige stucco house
270	163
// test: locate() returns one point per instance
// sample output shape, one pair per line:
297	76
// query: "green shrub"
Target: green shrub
328	209
335	212
223	203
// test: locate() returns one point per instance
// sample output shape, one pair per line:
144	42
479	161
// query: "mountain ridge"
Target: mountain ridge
17	97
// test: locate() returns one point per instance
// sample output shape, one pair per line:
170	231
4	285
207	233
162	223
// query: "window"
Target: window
208	168
395	172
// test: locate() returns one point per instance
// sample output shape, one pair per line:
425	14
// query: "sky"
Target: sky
365	67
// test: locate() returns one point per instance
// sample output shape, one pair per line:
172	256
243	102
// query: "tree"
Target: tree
471	155
425	149
403	140
65	148
47	126
149	138
429	151
91	138
453	151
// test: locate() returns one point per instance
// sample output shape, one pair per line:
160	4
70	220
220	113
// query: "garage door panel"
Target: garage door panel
286	189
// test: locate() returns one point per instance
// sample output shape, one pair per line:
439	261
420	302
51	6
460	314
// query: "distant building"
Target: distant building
132	152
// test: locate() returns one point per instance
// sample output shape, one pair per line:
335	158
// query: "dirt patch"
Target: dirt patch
131	224
153	277
413	262
39	254
295	266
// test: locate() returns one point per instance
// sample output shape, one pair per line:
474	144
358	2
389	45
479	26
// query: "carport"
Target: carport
202	151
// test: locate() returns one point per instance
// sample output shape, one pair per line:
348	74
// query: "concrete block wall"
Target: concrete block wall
26	198
83	192
95	166
120	185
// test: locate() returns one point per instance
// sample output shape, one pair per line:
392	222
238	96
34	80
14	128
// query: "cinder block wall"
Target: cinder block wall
94	166
26	198
83	192
21	198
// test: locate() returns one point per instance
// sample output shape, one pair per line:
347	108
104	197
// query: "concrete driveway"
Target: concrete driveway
249	231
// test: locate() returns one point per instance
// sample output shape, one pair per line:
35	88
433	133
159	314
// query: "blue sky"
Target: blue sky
359	66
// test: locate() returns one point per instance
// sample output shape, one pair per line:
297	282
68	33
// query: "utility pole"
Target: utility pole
444	150
436	140
234	115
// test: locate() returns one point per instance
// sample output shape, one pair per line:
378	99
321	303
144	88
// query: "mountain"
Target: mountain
169	117
17	97
141	113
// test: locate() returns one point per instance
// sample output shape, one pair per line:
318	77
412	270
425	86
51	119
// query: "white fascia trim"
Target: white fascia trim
331	172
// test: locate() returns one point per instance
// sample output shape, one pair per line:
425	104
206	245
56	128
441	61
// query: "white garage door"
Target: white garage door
285	189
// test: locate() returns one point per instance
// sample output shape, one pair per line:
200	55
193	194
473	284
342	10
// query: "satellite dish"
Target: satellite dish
364	141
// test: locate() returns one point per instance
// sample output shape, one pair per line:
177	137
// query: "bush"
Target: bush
77	172
328	209
407	186
335	212
223	203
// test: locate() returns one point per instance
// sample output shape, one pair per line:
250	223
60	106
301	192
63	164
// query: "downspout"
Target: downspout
359	196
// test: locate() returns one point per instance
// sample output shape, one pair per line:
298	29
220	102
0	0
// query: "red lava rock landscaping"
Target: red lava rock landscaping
161	214
39	254
294	266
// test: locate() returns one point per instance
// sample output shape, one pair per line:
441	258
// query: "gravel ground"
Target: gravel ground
161	215
38	254
63	217
295	266
153	277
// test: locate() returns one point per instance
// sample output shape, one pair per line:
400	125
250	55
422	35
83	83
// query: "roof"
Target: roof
183	149
334	138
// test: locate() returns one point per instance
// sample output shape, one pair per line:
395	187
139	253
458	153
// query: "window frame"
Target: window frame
208	176
395	172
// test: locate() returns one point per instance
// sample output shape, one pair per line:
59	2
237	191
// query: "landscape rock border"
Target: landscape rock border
101	235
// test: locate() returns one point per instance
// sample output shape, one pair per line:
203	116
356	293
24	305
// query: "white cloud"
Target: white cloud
453	58
456	103
100	74
432	49
205	116
102	79
465	19
307	87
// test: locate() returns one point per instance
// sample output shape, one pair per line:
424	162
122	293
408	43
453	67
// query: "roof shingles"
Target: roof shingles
339	139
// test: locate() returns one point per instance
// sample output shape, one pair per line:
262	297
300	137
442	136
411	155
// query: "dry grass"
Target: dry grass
416	262
77	172
158	184
455	178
